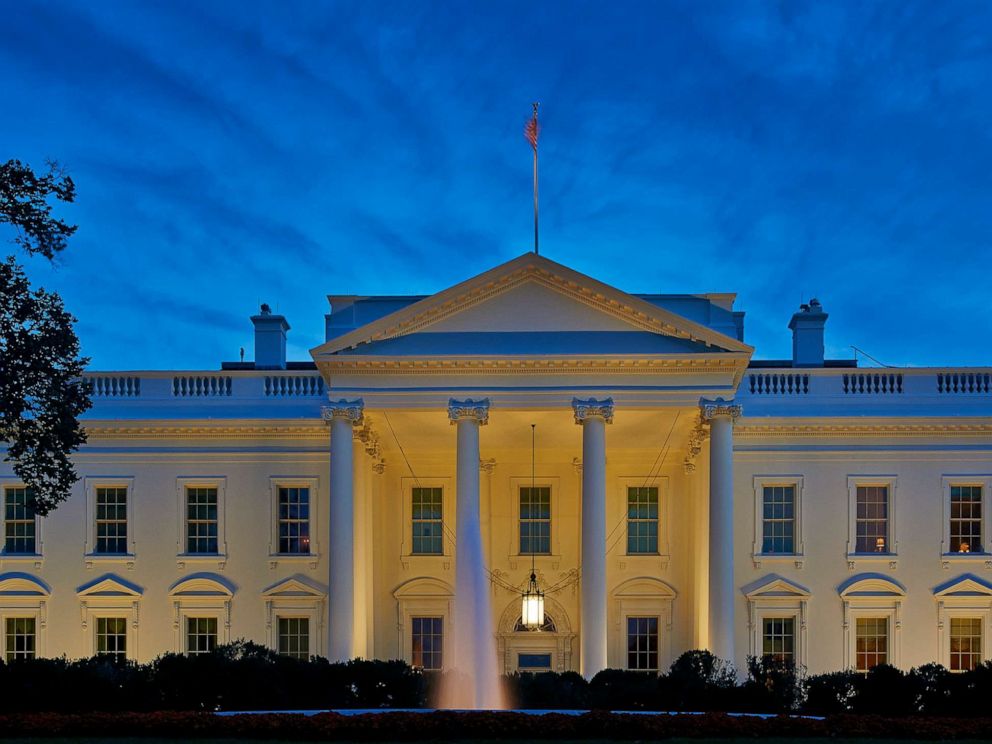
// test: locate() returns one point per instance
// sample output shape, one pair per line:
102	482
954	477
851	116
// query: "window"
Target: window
534	662
642	520
872	520
19	638
966	519
111	521
19	521
778	530
201	520
642	643
201	635
294	637
427	642
966	643
111	637
778	638
428	518
872	642
294	520
535	520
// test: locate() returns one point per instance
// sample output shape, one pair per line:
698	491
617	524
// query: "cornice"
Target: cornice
812	430
704	364
183	430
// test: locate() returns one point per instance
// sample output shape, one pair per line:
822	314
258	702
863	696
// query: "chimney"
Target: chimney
270	339
807	335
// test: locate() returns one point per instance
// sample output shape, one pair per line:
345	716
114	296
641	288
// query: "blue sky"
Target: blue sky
229	153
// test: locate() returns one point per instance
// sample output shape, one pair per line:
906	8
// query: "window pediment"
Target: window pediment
774	586
17	584
202	585
869	585
644	587
965	586
295	587
423	587
109	585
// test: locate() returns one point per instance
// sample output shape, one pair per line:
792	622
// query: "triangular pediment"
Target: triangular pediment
775	587
109	586
530	295
964	586
292	588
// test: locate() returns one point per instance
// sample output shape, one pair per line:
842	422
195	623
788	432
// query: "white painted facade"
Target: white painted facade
634	397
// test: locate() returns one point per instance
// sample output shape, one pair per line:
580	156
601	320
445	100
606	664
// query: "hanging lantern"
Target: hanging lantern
532	610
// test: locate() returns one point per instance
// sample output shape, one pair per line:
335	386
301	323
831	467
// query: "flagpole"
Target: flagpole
536	250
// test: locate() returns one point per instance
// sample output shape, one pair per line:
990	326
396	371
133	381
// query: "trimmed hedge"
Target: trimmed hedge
247	676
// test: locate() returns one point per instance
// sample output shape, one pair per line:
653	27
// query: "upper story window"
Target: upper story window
111	520
201	520
642	520
872	519
427	520
535	520
19	522
778	521
294	520
966	519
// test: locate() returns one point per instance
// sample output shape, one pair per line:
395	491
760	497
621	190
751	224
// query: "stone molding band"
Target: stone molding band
591	407
469	409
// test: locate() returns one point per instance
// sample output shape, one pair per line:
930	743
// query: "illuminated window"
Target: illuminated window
535	520
642	643
872	520
294	637
428	639
872	642
428	522
966	519
201	520
111	637
111	521
19	638
18	521
778	638
778	520
966	643
642	520
201	635
294	520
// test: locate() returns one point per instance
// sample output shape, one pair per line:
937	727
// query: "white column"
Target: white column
343	415
593	415
474	642
721	415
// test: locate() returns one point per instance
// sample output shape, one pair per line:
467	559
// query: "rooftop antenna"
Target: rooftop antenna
531	132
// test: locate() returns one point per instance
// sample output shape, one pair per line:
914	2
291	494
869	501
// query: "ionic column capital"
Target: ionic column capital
585	409
351	410
468	409
711	409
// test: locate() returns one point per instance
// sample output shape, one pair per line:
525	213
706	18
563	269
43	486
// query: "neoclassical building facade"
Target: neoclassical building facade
682	494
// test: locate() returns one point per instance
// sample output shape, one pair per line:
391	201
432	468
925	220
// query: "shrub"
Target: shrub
832	693
698	681
772	686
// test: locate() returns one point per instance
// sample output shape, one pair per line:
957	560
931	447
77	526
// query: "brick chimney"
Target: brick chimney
270	339
807	335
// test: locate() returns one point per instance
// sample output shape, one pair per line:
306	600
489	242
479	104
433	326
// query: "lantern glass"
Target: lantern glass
532	611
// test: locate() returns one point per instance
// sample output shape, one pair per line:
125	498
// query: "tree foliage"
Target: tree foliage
41	389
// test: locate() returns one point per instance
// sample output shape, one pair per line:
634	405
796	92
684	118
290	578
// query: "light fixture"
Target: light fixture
532	604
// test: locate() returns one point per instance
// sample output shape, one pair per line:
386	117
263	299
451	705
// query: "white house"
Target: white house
684	496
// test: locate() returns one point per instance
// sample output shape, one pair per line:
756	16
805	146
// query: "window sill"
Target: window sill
798	559
220	559
946	559
313	559
22	559
853	559
94	559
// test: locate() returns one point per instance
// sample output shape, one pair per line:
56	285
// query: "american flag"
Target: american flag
531	130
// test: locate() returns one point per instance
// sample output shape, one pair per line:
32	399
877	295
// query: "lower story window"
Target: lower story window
201	635
19	638
642	643
111	637
778	638
966	643
428	637
294	637
872	642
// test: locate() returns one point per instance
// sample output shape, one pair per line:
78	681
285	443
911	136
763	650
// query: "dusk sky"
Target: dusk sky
229	153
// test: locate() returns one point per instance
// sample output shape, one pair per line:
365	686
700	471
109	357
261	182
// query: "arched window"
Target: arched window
548	627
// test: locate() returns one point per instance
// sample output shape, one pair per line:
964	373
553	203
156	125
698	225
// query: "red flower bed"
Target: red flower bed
449	725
